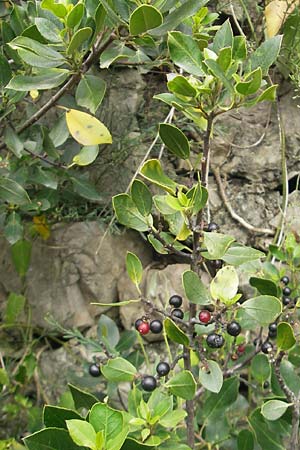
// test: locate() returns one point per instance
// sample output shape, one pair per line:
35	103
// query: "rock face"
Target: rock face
65	275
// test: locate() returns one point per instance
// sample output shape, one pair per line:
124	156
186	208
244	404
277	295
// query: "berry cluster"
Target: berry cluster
143	326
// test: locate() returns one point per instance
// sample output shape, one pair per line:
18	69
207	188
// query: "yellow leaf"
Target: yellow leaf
86	129
276	12
41	227
34	94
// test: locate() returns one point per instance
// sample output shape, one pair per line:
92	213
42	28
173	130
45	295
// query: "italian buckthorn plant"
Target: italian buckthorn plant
229	378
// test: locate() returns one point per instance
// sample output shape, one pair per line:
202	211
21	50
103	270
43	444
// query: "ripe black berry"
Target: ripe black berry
137	323
94	370
286	291
156	326
273	327
178	313
234	328
266	347
204	316
163	369
266	385
148	383
212	226
175	301
217	263
286	301
285	280
144	328
215	340
272	334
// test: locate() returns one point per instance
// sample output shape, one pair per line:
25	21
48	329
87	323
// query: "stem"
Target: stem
190	407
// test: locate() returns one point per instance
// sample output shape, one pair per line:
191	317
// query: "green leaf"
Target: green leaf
263	309
14	307
86	156
85	189
144	18
111	423
75	15
142	197
266	439
128	214
185	53
175	140
212	377
266	54
285	336
118	369
260	368
13	230
56	8
225	58
12	192
264	286
194	289
225	285
134	268
48	29
81	398
54	416
59	132
182	385
113	53
51	439
5	71
245	440
239	50
162	205
90	92
4	379
223	37
153	172
21	254
13	142
82	433
173	418
218	402
36	54
157	245
78	39
274	409
218	72
45	177
241	255
180	85
127	341
108	331
216	244
251	84
174	333
198	196
44	79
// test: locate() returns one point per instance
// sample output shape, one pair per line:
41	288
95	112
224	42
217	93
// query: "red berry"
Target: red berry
144	328
204	316
241	348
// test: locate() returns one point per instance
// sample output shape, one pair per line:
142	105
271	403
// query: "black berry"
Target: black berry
286	291
144	328
156	326
215	340
137	323
273	327
212	226
204	316
94	370
178	313
266	347
175	301
285	280
234	328
266	385
272	334
148	383
163	369
217	263
286	301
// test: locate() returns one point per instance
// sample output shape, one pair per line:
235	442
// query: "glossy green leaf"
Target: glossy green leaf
266	439
263	309
185	53
265	286
36	54
75	15
144	18
90	92
223	37
44	79
152	171
274	409
175	140
142	197
51	439
212	377
85	189
5	71
216	244
86	156
57	8
198	196
134	268
225	285
157	245
48	29
245	440
174	333
81	398
194	289
13	230
113	53
21	255
173	418
225	58
82	433
128	214
260	368
219	73
285	336
160	202
108	331
12	192
54	416
251	84
118	369
240	255
266	54
13	142
110	422
181	86
182	385
78	39
14	307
